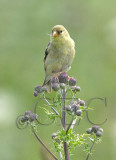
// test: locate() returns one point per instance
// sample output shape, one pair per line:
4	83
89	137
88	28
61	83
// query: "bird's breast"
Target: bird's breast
60	57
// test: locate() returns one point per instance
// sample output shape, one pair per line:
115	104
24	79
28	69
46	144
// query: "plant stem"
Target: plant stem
66	151
51	107
63	121
60	155
90	150
63	109
44	145
69	126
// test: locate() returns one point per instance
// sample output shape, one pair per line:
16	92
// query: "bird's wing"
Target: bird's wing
46	52
47	81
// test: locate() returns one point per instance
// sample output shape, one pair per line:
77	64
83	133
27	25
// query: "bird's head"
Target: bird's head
59	32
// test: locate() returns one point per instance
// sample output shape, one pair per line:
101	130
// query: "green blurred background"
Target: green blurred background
24	29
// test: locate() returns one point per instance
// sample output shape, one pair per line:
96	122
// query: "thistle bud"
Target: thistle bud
72	81
55	86
62	86
54	135
101	130
78	101
88	130
23	119
44	89
75	88
82	103
95	128
28	112
33	117
63	78
38	89
78	112
54	80
75	107
99	133
68	108
27	115
35	94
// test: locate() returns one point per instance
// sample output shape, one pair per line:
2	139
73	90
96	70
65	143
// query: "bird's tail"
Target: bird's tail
47	83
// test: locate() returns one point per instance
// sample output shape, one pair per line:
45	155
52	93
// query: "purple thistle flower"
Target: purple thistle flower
27	115
68	108
75	107
88	130
78	112
63	78
23	119
72	81
75	88
54	80
62	86
33	117
101	130
99	133
54	135
28	112
55	86
38	88
82	103
35	94
44	89
95	128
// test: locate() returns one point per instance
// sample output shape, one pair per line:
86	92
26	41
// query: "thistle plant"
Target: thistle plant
69	109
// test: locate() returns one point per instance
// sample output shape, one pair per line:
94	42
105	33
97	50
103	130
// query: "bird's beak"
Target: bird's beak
55	34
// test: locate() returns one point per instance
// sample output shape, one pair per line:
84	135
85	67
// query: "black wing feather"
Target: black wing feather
46	52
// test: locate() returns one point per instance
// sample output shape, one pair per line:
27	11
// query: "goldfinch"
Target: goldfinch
59	54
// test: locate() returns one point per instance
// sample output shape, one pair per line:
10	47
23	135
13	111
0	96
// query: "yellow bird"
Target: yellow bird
59	54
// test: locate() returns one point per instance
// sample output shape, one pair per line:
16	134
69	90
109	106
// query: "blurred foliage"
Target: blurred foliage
24	29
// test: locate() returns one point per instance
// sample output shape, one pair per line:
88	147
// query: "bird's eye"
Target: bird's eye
59	32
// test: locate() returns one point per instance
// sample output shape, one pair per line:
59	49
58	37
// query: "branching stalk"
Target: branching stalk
51	107
63	109
90	150
69	126
63	121
44	145
60	155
